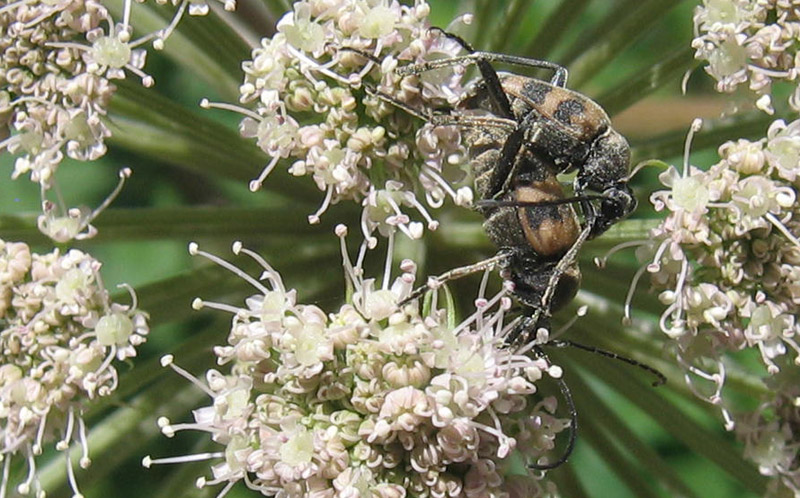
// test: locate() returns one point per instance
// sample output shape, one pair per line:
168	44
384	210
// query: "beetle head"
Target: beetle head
618	202
608	162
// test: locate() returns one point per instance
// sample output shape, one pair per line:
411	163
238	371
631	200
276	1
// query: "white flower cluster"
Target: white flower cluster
770	434
726	261
59	334
727	258
57	60
750	41
316	87
375	399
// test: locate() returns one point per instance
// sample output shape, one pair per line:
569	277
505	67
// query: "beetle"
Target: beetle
521	133
550	120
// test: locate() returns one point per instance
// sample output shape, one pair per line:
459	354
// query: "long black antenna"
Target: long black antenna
573	425
661	379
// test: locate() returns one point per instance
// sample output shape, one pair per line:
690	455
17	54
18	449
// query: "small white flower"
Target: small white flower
303	415
727	278
59	334
311	92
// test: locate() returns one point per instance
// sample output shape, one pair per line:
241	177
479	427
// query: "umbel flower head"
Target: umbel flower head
57	60
59	334
317	95
726	261
375	399
56	63
749	42
770	433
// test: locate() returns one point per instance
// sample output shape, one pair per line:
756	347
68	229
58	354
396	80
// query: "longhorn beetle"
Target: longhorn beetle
521	132
525	132
552	121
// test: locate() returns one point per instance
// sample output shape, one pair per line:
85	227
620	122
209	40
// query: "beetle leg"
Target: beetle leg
357	51
588	209
493	85
455	273
417	113
446	119
496	203
473	121
563	264
508	166
505	169
558	79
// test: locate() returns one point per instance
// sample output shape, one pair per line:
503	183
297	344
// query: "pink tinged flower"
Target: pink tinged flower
311	346
15	263
60	334
304	443
402	410
459	439
746	157
450	398
728	58
768	328
783	148
355	482
63	225
110	51
375	304
690	194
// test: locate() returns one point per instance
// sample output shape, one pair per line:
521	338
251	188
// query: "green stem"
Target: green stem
603	419
510	17
483	18
631	230
621	27
648	80
553	28
191	223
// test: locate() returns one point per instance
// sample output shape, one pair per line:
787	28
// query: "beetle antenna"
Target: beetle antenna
573	425
356	51
464	44
562	343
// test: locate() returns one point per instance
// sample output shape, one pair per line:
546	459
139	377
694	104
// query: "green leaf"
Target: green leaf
614	458
752	125
615	431
554	27
696	437
156	127
647	80
602	43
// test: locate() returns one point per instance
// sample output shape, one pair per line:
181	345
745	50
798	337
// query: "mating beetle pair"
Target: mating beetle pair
521	132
